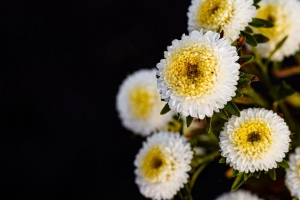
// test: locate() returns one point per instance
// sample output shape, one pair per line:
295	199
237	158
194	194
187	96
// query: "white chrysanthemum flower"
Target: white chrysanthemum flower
199	74
162	165
254	141
238	195
232	16
292	178
139	103
285	15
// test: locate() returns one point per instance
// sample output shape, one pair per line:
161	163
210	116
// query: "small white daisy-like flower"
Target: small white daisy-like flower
255	141
162	165
232	16
139	103
199	74
285	16
292	178
238	195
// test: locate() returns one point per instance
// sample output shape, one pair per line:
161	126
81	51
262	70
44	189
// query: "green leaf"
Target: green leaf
242	82
256	6
239	180
238	94
249	39
222	114
257	22
222	160
245	59
165	109
256	1
257	174
279	44
246	176
260	38
272	174
232	108
208	124
235	173
248	30
241	74
189	120
284	164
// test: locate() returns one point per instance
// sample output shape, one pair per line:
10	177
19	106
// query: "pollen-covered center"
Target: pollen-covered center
154	163
142	100
252	138
275	14
191	71
213	14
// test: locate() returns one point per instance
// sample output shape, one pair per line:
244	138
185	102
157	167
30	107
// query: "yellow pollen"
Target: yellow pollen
191	71
275	14
153	164
213	14
142	101
253	138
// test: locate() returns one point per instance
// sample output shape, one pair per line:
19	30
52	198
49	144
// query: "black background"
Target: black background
62	63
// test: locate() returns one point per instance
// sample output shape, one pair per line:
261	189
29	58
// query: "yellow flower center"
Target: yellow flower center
253	138
213	14
273	13
154	164
191	71
141	101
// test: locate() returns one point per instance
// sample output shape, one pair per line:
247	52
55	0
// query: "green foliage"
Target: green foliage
260	38
245	59
261	23
239	180
165	109
284	164
222	160
272	174
232	108
249	39
189	120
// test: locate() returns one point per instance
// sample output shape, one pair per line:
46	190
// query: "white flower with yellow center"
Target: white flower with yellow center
292	178
285	15
139	104
238	195
255	141
232	16
162	165
199	74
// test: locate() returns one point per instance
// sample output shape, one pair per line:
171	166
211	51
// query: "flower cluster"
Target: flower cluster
208	75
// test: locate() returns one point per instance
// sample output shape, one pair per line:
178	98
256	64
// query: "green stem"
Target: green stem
188	191
263	67
256	97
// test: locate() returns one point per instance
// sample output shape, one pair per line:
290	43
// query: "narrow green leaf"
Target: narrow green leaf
279	44
208	124
157	76
239	180
222	114
247	175
249	39
257	174
248	30
257	22
256	6
189	120
284	164
165	109
284	91
248	76
241	74
238	94
235	173
256	1
232	108
242	82
222	160
260	38
245	59
272	174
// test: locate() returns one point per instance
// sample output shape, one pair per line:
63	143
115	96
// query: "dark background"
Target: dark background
61	66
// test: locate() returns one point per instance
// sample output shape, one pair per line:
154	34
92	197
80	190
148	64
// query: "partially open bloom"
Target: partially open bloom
285	16
139	103
232	16
292	178
255	141
199	74
162	165
238	195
